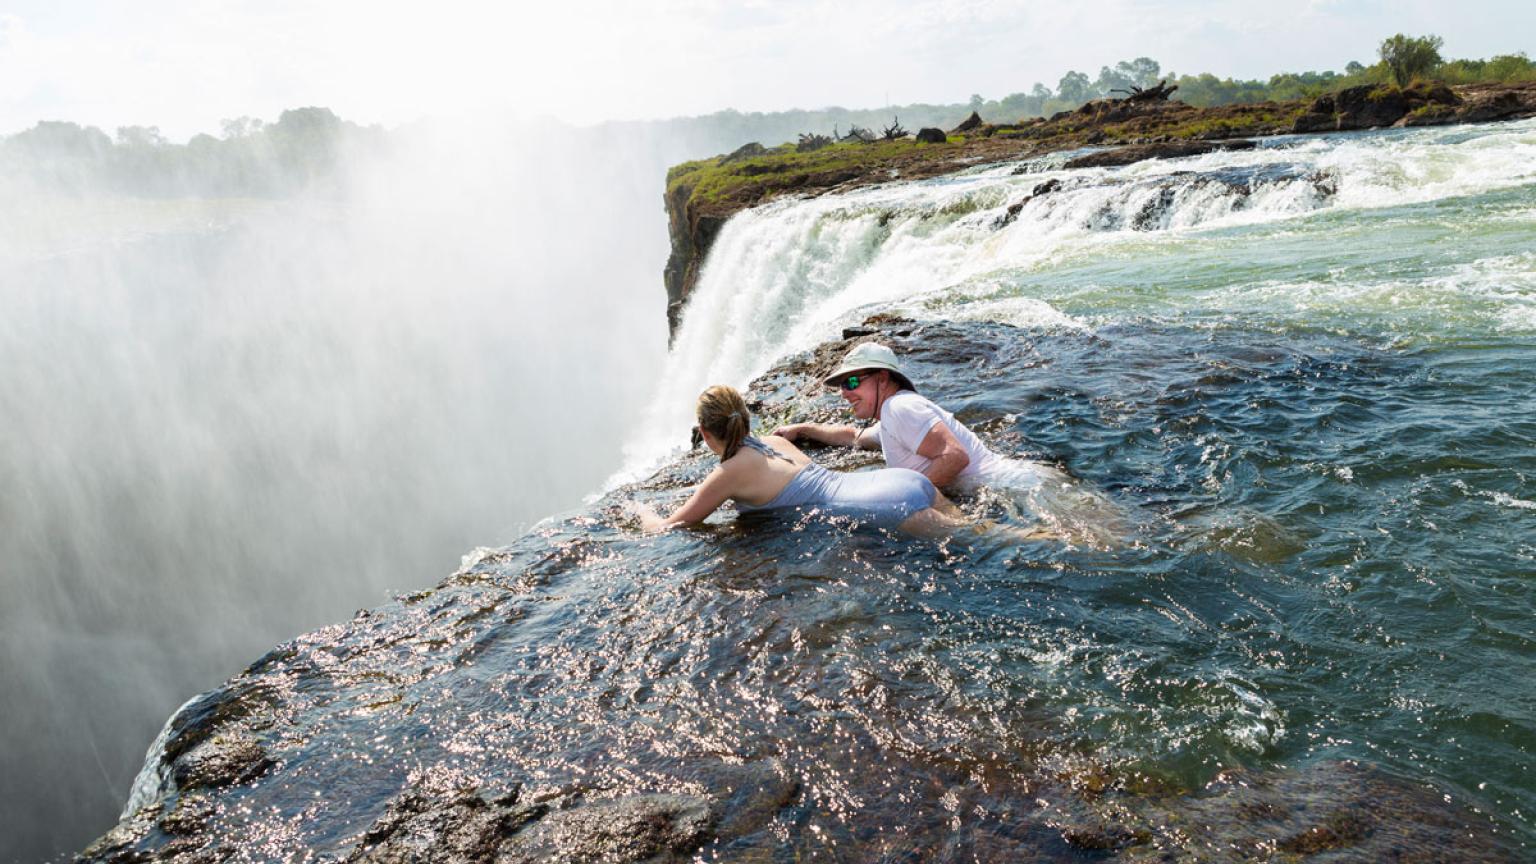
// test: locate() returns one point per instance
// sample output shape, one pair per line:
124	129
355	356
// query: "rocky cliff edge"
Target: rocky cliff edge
703	194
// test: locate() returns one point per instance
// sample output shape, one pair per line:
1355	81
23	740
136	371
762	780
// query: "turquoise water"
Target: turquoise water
1439	272
1351	545
1387	436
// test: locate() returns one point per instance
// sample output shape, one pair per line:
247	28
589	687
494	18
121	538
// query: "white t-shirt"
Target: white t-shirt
905	420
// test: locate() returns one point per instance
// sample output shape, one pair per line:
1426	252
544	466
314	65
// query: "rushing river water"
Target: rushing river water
1318	357
1304	370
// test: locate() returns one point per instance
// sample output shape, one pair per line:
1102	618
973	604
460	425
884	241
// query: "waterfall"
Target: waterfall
991	242
230	420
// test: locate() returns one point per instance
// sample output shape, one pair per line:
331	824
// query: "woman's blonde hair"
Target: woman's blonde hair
723	413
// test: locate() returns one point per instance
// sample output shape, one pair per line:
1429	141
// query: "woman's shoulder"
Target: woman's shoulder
785	447
748	457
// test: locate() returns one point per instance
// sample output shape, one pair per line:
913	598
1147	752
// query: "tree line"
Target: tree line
1400	59
252	158
302	148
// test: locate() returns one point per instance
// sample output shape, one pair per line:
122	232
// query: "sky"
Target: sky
186	66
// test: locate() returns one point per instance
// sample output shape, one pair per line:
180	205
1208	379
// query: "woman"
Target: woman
771	473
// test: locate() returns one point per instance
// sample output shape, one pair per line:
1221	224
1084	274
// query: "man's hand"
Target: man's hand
791	431
826	433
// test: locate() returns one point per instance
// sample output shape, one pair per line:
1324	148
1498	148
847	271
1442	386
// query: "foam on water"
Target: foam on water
1224	235
1026	312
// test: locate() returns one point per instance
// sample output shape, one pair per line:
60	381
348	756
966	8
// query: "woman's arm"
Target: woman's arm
714	491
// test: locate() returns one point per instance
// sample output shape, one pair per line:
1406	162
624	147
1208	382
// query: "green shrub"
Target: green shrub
1410	57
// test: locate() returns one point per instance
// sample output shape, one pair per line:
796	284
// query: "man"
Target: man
911	431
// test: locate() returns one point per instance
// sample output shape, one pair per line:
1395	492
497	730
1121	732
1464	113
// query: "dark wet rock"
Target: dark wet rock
1429	115
1320	119
759	796
1169	150
1015	208
1498	106
121	844
1337	811
221	760
1046	187
189	816
1430	93
636	828
692	234
930	135
1369	106
1345	811
1157	198
465	828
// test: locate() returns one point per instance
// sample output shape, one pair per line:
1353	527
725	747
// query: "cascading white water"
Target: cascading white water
783	277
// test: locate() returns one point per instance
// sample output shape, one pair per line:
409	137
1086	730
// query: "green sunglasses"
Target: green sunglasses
851	382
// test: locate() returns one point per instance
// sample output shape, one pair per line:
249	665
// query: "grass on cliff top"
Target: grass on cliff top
717	185
715	181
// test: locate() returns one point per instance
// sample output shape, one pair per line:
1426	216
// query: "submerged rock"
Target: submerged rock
1155	203
221	760
459	828
1163	150
636	828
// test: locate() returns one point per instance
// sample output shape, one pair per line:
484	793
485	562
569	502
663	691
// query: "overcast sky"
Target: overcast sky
184	66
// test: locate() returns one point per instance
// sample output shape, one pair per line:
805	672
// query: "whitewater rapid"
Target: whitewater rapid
1301	231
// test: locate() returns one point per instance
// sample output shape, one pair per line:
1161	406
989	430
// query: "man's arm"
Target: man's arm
947	454
831	433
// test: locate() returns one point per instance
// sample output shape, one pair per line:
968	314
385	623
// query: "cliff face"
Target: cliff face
701	196
692	233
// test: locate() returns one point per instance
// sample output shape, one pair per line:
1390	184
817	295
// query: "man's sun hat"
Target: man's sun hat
870	355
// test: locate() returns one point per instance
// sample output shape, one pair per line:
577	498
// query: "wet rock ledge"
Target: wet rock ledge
703	194
557	701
